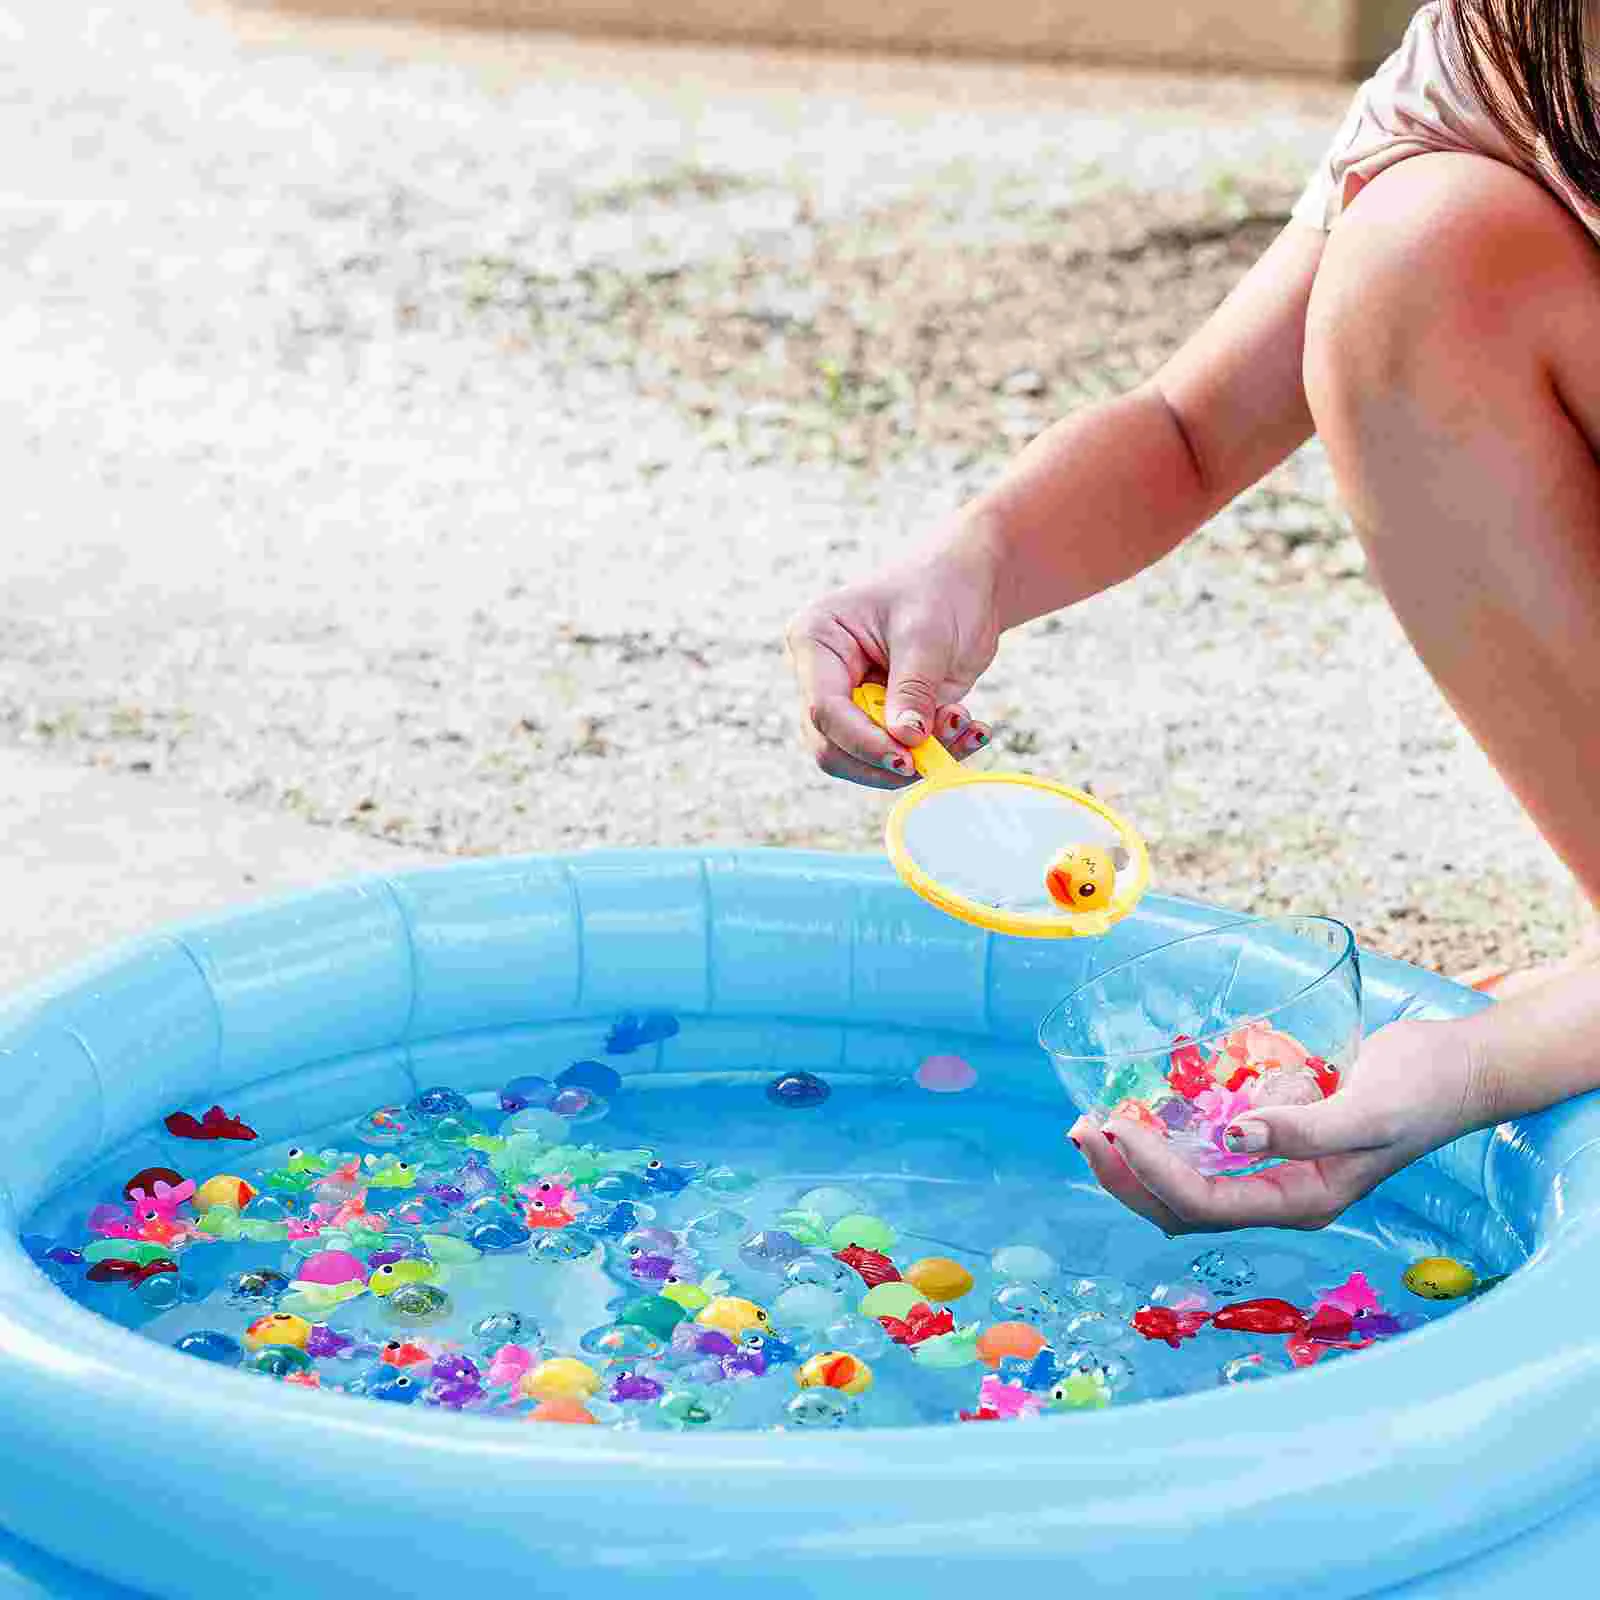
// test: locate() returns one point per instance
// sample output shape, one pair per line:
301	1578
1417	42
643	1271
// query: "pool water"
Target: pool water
695	1199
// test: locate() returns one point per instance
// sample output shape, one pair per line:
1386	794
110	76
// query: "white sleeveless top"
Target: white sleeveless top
1420	101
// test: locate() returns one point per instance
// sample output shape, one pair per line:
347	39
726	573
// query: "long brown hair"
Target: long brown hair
1531	63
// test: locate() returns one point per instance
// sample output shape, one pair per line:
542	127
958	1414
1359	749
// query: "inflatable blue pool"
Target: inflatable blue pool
1455	1461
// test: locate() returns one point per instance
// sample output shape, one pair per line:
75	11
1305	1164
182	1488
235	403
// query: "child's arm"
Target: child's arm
1102	495
1092	501
1416	1086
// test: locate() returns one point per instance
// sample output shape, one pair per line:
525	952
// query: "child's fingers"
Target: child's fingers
1340	1125
836	764
1200	1204
970	742
955	729
829	664
1117	1180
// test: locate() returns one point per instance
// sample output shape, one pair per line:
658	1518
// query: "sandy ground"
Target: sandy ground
427	437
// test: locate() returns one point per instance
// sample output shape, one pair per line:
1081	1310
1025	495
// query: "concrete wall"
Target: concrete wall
1331	38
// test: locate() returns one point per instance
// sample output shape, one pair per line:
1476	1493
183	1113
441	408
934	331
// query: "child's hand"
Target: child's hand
1417	1085
927	629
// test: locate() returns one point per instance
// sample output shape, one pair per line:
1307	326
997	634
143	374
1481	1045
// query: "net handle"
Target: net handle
930	757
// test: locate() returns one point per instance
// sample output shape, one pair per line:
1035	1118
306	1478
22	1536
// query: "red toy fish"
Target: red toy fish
1327	1076
1262	1316
1306	1351
873	1266
1170	1326
982	1415
398	1353
1240	1079
919	1323
1189	1075
115	1270
215	1124
540	1215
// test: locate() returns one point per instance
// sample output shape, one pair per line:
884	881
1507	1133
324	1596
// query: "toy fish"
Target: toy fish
277	1328
148	1179
402	1389
388	1172
748	1361
508	1364
402	1353
650	1269
1189	1074
664	1180
693	1296
1082	878
1006	1400
1083	1391
1440	1278
633	1030
112	1222
215	1124
655	1314
115	1269
393	1274
871	1266
140	1252
160	1202
635	1386
1261	1316
836	1369
539	1215
730	1315
1169	1325
340	1182
948	1350
919	1323
323	1342
1327	1076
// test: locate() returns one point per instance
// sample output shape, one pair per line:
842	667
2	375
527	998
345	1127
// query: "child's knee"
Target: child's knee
1441	276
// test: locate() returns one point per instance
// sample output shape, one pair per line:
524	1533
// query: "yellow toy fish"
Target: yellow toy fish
732	1315
392	1274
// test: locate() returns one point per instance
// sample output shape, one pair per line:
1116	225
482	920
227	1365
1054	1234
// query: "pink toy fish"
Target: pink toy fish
332	1267
112	1222
556	1192
161	1201
341	1182
1006	1399
355	1210
509	1363
304	1227
1355	1296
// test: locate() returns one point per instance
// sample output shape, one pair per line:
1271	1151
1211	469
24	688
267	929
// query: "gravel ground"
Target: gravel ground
429	436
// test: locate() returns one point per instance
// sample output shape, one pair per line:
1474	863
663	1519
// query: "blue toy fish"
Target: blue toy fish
634	1029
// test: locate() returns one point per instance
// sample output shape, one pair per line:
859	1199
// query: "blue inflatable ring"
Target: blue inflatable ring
1455	1462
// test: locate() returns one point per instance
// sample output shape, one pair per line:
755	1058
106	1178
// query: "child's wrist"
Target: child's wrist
984	548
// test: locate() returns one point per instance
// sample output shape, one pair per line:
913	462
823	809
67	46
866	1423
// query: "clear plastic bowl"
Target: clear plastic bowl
1189	1036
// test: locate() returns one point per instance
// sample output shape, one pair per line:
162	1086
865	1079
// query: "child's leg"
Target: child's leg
1453	369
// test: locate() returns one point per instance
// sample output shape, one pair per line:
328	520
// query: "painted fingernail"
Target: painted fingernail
900	764
1075	1145
1111	1138
957	722
979	736
910	722
1246	1138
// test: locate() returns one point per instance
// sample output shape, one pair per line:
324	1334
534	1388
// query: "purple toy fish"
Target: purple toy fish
650	1269
456	1369
635	1386
324	1341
